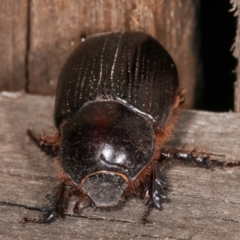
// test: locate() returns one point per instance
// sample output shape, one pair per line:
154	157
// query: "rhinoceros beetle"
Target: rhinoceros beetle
117	100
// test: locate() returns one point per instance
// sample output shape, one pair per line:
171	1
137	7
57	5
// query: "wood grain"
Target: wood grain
57	27
204	204
13	42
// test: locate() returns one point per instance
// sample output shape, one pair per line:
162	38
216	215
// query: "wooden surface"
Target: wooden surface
13	42
39	35
204	204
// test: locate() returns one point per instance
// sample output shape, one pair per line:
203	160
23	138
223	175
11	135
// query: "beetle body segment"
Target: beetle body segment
106	136
130	66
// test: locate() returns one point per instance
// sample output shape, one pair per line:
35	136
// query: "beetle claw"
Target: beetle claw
49	217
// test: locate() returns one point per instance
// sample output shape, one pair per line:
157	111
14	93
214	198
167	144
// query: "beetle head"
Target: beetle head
104	188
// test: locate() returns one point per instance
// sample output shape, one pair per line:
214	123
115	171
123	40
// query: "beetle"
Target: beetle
117	101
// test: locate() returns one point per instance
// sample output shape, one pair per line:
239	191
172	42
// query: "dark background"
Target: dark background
217	33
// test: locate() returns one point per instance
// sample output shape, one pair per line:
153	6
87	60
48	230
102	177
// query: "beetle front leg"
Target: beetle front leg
58	204
154	194
198	159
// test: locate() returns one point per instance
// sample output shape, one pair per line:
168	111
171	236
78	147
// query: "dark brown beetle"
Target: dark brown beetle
116	103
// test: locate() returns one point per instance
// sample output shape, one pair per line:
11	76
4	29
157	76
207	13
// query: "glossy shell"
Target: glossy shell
114	92
131	66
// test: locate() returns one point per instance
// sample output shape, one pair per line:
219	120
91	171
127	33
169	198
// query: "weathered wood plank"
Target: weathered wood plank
56	27
204	204
13	42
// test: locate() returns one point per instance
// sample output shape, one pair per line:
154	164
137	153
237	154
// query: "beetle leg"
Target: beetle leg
198	159
158	184
48	144
84	202
56	208
154	194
